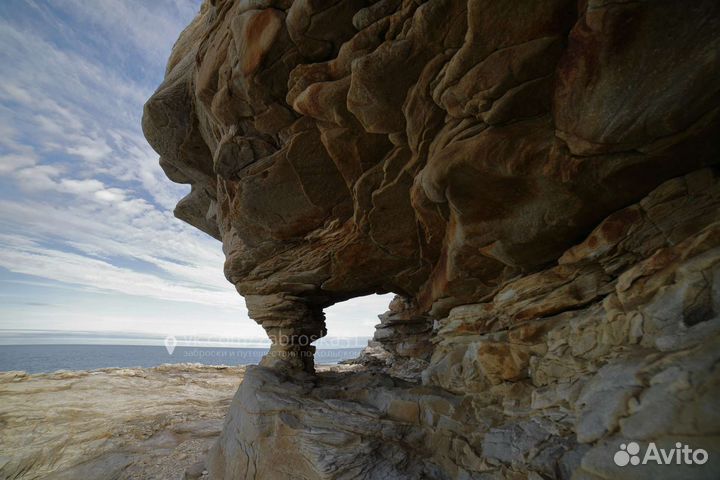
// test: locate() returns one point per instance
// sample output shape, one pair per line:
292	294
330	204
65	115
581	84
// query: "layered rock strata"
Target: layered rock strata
537	183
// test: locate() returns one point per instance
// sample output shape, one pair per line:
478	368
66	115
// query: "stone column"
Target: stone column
292	325
403	331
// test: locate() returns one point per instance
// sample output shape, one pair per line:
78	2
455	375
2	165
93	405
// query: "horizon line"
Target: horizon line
29	337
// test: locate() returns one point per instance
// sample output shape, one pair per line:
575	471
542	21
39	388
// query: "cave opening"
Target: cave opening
350	324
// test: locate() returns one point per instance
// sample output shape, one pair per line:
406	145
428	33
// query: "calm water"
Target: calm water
48	358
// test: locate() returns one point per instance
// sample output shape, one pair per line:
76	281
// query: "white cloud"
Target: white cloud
79	187
12	162
138	232
357	314
83	200
38	177
95	208
92	150
147	26
97	274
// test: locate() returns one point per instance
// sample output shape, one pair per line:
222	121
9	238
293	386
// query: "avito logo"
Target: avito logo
680	455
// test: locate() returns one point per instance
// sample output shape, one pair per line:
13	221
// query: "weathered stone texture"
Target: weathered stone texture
114	423
536	180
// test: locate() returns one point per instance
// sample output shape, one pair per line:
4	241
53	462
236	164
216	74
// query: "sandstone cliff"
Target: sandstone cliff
536	181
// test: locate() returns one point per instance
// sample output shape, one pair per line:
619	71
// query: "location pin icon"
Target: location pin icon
170	343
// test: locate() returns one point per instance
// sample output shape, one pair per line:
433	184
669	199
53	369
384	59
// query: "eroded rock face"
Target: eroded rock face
535	180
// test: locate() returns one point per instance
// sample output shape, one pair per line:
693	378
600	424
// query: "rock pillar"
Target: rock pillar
292	325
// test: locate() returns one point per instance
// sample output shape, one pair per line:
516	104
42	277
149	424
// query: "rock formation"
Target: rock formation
536	181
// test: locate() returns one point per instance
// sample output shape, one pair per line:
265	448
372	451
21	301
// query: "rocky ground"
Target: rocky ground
120	423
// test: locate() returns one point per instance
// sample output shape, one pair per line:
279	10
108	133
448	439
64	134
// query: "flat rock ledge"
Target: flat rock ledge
118	423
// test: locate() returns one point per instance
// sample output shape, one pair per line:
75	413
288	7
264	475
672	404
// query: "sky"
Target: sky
89	247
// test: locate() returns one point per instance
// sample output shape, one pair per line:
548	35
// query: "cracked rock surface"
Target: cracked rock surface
112	424
536	181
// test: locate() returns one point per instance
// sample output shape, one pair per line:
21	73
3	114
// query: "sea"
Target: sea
50	358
